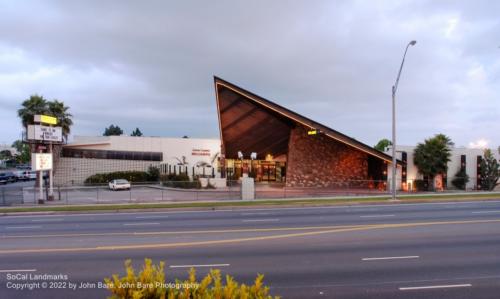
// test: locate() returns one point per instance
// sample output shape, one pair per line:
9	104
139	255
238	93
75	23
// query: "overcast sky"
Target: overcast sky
150	64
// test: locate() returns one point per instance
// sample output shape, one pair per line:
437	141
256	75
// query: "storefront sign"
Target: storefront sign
200	152
44	133
41	161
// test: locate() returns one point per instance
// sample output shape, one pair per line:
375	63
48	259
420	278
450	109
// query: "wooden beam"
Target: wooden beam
240	118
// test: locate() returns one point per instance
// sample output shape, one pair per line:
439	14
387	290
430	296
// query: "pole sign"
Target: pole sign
45	119
41	161
44	133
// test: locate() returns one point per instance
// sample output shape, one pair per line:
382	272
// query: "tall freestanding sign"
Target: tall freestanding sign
42	132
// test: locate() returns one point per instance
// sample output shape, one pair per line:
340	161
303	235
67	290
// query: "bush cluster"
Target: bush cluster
421	185
150	283
151	175
460	180
181	180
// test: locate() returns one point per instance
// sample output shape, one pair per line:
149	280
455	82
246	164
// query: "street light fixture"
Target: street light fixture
394	89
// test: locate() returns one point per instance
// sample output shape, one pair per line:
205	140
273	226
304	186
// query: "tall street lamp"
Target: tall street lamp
394	88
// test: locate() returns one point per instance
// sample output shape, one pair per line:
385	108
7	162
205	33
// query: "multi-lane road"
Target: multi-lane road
442	250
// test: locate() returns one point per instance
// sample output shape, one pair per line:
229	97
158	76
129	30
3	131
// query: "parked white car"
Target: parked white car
19	175
29	175
119	184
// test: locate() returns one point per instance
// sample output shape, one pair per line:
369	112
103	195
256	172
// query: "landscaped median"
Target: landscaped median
352	200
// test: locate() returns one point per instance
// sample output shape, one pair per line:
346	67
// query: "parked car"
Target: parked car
29	175
19	175
119	184
7	177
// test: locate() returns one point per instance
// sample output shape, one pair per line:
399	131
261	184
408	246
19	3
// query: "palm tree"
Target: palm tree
432	156
30	107
60	111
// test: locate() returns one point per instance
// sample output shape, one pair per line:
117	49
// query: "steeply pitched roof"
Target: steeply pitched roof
295	117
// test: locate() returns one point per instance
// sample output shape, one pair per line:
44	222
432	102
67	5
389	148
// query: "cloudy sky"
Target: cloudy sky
150	64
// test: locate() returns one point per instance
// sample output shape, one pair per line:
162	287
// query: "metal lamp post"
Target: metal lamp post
394	88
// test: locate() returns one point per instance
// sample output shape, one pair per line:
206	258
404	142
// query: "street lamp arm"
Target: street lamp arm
395	86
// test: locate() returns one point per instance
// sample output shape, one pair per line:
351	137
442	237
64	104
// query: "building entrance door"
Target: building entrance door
268	172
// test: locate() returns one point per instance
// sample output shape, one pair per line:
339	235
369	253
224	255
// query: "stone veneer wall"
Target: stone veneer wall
74	171
319	161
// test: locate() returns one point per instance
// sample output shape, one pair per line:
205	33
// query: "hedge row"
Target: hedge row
131	176
181	180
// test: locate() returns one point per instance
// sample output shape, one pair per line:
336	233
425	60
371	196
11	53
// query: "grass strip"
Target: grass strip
253	203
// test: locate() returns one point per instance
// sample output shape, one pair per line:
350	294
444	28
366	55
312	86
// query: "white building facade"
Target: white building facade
87	156
460	157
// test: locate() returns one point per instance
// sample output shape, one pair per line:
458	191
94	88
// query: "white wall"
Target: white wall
194	150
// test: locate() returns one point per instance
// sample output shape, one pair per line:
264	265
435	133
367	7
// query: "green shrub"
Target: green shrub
181	177
150	283
421	185
153	174
181	180
460	180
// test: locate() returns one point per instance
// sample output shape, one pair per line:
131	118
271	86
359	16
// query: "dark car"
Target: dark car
7	177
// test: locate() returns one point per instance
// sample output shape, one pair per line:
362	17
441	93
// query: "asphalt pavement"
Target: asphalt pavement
438	250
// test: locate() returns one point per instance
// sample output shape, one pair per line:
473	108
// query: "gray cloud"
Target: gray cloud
150	64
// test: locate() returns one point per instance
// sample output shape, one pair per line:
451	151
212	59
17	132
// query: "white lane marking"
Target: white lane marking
21	227
260	220
150	217
145	223
390	258
199	266
436	287
376	216
17	270
47	220
486	212
253	214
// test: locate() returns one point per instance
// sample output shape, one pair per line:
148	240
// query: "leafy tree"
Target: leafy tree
5	155
432	156
113	131
18	145
490	171
23	151
461	179
383	144
136	132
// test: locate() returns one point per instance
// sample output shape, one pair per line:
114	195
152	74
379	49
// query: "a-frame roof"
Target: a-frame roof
293	117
